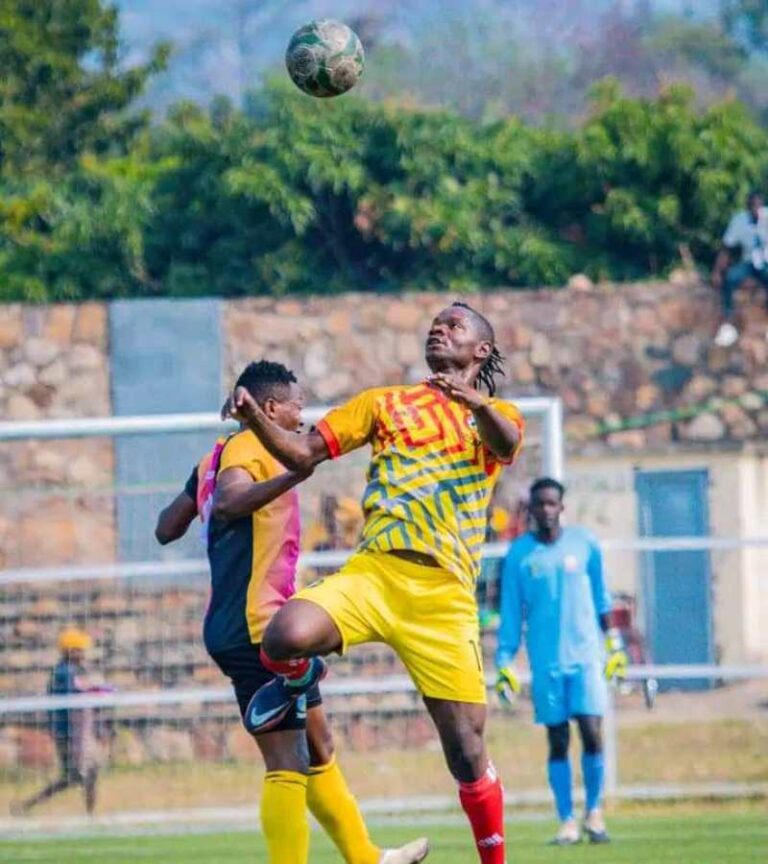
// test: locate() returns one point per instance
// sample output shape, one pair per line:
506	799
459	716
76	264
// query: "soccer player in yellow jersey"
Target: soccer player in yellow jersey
250	512
437	450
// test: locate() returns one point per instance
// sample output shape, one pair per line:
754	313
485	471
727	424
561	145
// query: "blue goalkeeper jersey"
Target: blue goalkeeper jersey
559	590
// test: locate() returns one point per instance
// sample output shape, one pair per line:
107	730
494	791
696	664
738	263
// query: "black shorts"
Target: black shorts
247	673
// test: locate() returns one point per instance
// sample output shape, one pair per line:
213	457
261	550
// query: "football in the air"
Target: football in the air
325	58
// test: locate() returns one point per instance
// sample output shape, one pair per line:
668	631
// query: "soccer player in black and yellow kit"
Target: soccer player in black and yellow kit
437	450
250	514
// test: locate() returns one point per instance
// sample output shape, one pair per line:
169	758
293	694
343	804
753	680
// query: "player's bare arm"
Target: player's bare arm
175	519
500	435
297	451
238	494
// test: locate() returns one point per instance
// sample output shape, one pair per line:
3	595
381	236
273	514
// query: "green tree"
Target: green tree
316	196
63	90
70	195
643	177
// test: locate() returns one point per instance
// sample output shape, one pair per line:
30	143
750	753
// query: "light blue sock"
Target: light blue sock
592	770
559	773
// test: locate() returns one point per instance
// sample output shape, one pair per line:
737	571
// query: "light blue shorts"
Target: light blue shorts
559	695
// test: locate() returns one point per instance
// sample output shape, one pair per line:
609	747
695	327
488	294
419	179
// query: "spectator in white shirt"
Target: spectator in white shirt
744	256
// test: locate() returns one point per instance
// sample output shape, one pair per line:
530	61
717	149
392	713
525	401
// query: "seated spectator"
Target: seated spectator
745	256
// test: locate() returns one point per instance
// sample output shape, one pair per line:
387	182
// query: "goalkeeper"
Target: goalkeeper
553	578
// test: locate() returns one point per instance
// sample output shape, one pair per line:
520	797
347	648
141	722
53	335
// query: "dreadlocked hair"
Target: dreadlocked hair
494	362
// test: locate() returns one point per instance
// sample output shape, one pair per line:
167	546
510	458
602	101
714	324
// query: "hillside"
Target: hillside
223	46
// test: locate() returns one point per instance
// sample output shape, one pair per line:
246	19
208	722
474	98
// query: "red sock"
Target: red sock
483	802
290	669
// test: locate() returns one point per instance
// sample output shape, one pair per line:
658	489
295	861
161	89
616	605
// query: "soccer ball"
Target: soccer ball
325	58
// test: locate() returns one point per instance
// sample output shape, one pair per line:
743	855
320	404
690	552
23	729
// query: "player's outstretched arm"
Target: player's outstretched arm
510	631
297	451
499	434
238	494
616	656
175	519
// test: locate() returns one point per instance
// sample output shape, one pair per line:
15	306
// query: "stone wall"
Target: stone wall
54	363
613	353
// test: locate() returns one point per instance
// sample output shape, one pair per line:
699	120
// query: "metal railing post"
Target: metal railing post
610	745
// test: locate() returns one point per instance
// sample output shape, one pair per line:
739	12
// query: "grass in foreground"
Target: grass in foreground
707	837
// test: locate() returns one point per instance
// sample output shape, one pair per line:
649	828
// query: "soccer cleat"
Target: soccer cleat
594	828
594	836
568	835
411	853
272	701
726	336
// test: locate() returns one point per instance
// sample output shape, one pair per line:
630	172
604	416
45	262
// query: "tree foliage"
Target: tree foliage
292	194
62	91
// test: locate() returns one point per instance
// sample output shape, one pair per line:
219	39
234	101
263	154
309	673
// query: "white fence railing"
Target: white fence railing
387	685
14	709
335	558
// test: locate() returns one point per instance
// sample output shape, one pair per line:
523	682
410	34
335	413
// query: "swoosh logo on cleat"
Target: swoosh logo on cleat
301	708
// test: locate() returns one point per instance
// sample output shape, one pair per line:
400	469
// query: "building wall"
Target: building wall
754	509
601	495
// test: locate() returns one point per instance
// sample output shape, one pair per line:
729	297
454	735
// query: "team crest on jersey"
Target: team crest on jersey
571	564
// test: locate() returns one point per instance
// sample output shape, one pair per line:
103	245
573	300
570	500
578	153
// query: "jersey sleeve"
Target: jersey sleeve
190	487
240	452
601	596
511	624
350	425
512	413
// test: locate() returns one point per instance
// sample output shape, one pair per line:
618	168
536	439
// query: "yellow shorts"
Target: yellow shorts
425	613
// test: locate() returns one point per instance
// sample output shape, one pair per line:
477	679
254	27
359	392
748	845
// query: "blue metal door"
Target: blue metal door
676	585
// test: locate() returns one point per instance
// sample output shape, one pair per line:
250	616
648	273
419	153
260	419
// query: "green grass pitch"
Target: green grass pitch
708	838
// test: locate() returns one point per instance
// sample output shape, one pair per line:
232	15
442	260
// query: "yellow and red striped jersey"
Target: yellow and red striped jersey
430	478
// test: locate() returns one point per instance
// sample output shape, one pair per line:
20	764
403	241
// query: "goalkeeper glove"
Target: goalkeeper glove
507	685
617	662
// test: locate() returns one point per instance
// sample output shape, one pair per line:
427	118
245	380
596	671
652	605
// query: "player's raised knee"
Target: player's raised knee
290	634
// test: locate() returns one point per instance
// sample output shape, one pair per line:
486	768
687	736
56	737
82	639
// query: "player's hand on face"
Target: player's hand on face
507	685
459	391
240	405
226	408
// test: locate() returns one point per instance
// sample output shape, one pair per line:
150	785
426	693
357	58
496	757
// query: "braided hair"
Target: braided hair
494	362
